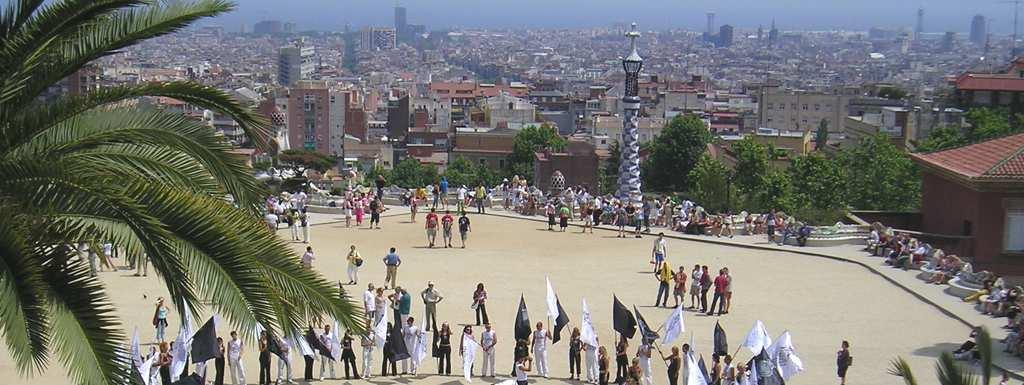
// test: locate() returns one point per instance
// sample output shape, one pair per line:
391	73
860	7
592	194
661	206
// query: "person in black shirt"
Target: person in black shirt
575	347
674	363
380	182
621	360
348	357
464	228
444	350
218	363
388	357
376	207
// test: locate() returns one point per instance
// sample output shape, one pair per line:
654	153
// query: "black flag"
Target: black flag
763	371
204	343
647	335
522	325
397	344
314	343
721	343
273	346
622	320
560	322
192	379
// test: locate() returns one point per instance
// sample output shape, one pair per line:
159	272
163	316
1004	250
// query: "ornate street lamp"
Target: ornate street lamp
629	165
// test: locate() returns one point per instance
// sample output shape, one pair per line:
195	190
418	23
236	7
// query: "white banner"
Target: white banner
381	329
757	338
674	326
551	300
588	334
784	355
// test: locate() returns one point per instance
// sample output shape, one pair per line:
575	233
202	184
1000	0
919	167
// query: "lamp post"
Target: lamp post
629	165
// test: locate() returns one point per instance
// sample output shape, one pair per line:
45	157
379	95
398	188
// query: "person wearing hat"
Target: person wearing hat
431	297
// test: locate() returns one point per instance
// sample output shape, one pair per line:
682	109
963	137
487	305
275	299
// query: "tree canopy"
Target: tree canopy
530	140
711	184
881	176
674	153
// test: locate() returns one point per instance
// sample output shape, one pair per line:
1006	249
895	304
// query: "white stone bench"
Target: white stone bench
960	288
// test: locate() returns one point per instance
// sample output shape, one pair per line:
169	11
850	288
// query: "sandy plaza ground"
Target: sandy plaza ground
820	301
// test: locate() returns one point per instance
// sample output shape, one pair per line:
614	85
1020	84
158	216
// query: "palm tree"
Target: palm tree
98	166
948	370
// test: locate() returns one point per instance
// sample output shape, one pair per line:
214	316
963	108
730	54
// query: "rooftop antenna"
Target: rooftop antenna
1016	9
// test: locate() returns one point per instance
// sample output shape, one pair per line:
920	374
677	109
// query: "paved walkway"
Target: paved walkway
934	295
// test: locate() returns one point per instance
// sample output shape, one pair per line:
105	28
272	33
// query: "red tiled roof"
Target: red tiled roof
989	82
1001	158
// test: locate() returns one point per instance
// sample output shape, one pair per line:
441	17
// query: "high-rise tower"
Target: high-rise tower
629	164
711	23
919	29
978	29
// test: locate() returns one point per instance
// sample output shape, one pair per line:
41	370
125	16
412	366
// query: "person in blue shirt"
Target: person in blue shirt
391	262
443	186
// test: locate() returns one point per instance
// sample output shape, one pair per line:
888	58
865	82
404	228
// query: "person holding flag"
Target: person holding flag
284	361
643	354
368	340
348	357
539	346
588	335
674	362
322	343
467	350
575	350
410	333
522	367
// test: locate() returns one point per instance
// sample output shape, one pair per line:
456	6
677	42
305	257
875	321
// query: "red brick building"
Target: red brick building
977	191
578	164
1002	89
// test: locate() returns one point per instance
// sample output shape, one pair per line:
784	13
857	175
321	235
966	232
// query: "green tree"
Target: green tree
409	173
988	123
96	168
461	172
892	93
775	191
942	138
821	136
881	176
530	140
711	185
300	160
674	153
752	163
608	179
818	182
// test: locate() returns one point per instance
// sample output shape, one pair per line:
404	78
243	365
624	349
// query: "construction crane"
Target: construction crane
1016	9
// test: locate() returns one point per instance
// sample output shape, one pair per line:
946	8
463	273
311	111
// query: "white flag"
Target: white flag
419	352
136	351
335	342
469	347
588	334
551	300
674	326
693	373
179	356
303	345
757	338
146	369
784	355
381	329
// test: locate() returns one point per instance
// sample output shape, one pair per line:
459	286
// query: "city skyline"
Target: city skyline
941	15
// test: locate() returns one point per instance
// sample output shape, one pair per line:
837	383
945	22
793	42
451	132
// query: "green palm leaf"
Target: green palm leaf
900	368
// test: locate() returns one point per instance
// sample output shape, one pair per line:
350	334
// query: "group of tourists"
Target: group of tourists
437	196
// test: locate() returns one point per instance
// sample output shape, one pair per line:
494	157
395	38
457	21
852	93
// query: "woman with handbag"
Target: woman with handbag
479	304
354	262
843	361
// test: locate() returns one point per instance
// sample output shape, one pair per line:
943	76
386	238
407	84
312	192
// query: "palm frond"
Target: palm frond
901	368
86	332
23	316
103	36
985	351
951	373
40	117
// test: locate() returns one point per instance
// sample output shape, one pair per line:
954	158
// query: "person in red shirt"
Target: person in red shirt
431	227
721	284
446	228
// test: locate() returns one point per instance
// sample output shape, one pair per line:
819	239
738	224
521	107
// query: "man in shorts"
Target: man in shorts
446	227
431	227
464	228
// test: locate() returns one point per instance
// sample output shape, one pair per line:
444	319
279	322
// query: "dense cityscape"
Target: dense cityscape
860	191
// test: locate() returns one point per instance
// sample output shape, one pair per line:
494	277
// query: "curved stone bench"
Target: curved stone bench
926	273
961	289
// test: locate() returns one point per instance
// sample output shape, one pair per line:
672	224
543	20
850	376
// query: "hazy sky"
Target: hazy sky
940	15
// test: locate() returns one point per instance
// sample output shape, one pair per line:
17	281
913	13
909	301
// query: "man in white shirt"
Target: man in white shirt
307	258
368	303
660	251
271	220
540	348
327	338
431	297
367	341
235	360
409	333
488	339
